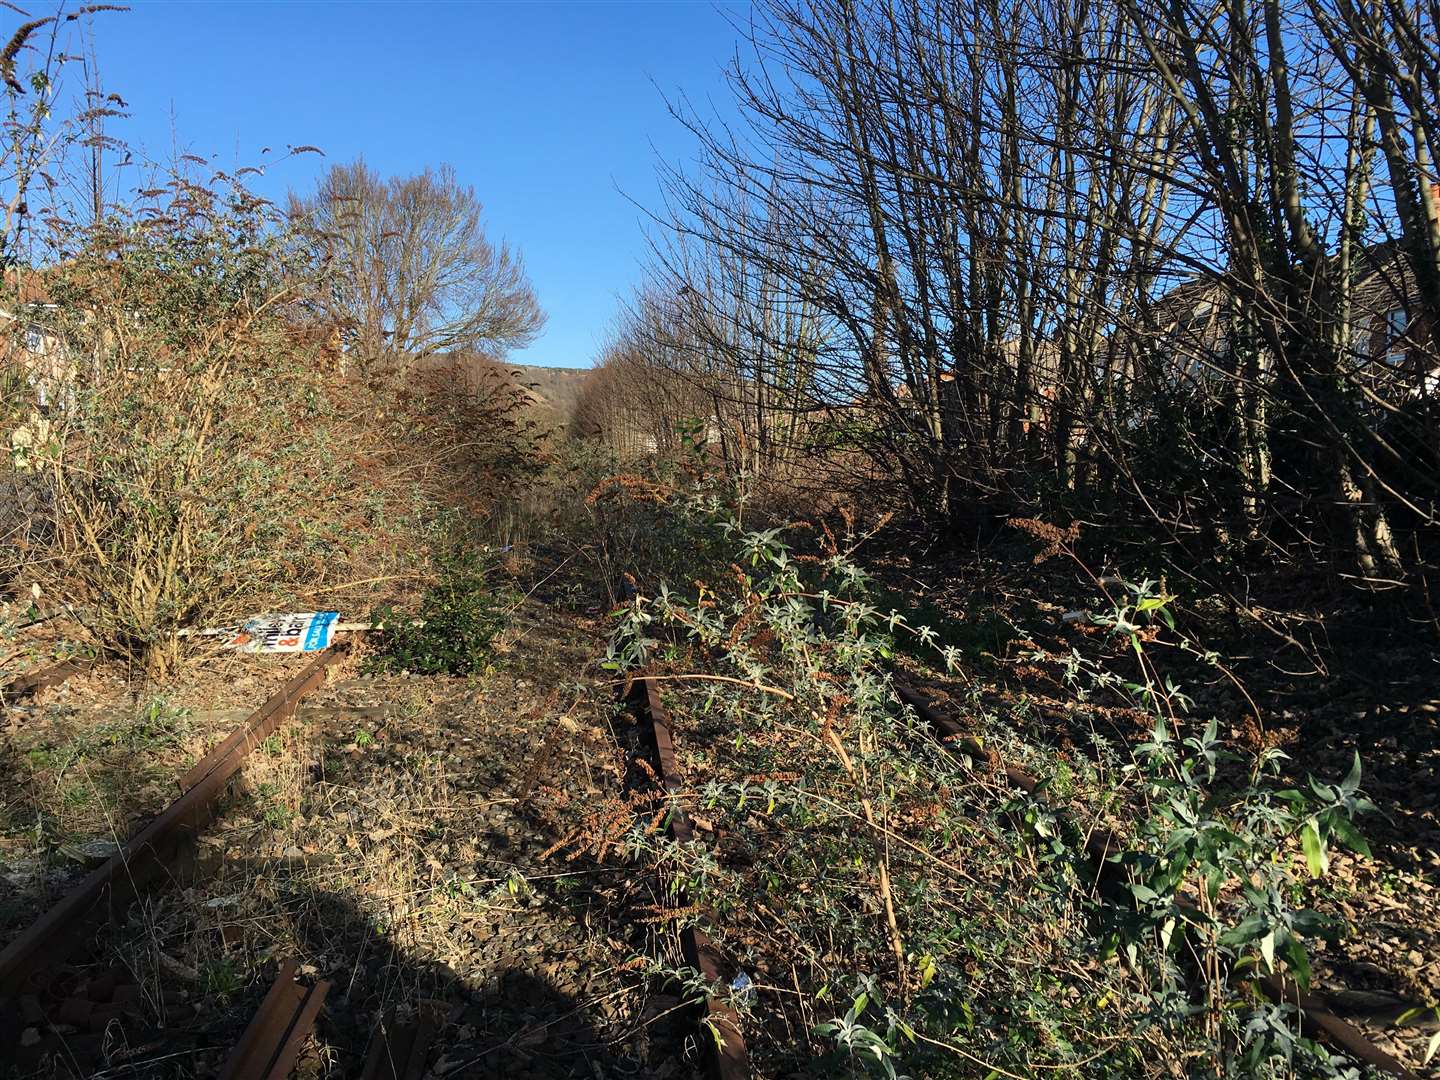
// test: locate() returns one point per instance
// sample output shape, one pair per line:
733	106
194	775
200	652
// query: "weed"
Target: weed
155	726
277	815
1203	879
223	978
923	907
859	830
158	724
273	811
457	888
976	634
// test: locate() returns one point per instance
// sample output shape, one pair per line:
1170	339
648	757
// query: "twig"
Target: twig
784	694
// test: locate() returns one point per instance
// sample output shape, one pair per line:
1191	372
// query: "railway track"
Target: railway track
73	1015
38	995
718	1032
48	1009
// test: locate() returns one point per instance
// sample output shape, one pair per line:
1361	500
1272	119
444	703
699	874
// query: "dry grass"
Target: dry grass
394	840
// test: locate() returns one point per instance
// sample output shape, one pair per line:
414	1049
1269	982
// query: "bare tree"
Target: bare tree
638	400
926	246
412	272
1138	260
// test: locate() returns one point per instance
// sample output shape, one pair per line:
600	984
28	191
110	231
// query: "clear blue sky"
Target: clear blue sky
550	110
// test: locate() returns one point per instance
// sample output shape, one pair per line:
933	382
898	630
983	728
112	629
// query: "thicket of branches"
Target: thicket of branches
1151	263
195	428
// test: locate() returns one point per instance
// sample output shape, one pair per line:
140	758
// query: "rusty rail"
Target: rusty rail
726	1057
148	855
259	724
54	675
273	1039
398	1050
1317	1018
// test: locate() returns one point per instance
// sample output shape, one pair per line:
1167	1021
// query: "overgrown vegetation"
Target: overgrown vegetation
1125	280
195	431
178	473
903	912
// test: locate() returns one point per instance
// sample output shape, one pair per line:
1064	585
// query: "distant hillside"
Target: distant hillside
553	391
555	387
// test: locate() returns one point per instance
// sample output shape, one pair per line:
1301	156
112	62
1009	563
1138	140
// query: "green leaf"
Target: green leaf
1214	881
711	1027
1299	962
1248	930
1311	923
1351	783
1345	829
1315	856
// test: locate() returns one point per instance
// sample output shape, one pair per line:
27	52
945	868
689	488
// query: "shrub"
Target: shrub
172	479
864	878
453	631
1205	885
902	908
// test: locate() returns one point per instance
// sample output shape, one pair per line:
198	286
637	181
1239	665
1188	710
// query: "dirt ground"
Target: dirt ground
400	837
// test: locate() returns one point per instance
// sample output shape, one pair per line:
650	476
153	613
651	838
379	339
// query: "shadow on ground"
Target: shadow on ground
518	1023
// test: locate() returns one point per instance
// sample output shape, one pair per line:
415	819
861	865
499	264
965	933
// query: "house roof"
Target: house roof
21	286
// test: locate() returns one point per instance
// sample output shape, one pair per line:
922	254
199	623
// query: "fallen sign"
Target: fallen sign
304	631
290	632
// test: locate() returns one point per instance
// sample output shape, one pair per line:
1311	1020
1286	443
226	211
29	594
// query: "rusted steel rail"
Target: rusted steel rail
398	1051
54	675
259	724
1317	1018
147	857
276	1033
726	1057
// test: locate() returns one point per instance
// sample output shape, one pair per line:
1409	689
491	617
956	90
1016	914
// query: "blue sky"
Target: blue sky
550	110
